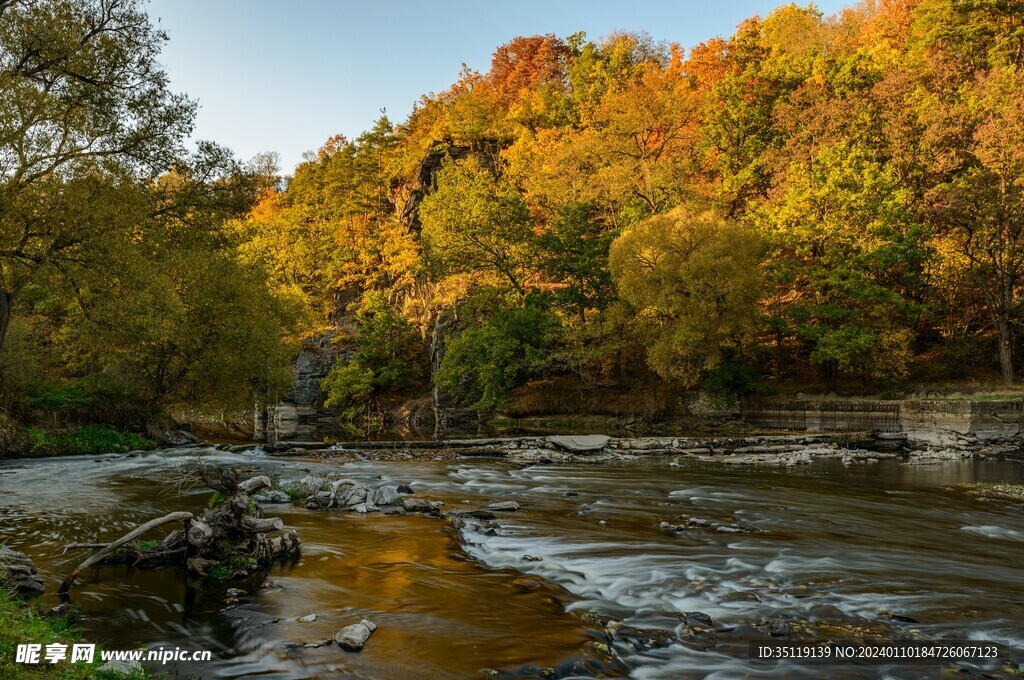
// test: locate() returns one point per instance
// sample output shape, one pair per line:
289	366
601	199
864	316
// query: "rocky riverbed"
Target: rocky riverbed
643	562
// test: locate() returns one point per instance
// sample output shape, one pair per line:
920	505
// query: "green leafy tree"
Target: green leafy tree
82	94
573	252
497	347
477	224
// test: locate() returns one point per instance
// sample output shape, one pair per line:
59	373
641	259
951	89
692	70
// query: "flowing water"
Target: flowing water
833	545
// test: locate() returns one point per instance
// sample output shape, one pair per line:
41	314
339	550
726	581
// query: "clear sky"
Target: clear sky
284	75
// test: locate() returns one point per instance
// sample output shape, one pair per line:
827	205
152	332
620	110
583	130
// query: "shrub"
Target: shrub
87	440
501	350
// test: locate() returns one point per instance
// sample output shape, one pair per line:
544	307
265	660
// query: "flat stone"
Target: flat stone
503	506
421	505
274	496
309	618
580	443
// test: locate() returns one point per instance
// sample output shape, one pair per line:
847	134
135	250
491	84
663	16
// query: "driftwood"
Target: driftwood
111	547
83	546
256	525
231	535
254	484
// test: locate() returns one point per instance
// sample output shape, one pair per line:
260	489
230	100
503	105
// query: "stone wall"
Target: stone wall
925	421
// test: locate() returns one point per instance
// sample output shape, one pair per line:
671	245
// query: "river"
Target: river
831	548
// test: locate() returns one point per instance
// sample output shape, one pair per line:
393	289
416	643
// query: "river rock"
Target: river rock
122	667
422	505
274	496
642	639
354	637
308	618
178	438
18	573
503	506
584	443
350	495
384	495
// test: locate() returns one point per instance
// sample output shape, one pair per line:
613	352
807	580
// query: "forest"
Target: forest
811	203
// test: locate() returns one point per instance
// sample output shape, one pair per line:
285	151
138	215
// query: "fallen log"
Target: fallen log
254	484
111	547
255	525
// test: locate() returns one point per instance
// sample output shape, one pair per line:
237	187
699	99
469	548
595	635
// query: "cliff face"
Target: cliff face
301	416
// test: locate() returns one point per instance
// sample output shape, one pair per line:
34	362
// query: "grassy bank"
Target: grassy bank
22	623
17	440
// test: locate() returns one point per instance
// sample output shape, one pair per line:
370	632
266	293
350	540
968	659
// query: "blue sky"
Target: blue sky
285	75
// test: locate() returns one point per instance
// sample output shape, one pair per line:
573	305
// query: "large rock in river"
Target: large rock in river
355	636
17	573
580	443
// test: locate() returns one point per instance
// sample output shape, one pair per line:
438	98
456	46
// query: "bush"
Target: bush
484	362
347	385
87	440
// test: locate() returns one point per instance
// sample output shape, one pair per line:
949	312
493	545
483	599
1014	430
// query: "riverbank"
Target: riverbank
19	441
23	623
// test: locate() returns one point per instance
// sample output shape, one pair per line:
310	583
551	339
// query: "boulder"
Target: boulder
582	443
350	495
384	495
422	505
18	573
355	636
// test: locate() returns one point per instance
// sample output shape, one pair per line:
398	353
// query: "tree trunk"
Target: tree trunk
6	301
1006	350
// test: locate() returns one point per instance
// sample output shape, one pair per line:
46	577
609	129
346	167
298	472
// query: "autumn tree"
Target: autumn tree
82	94
981	204
693	278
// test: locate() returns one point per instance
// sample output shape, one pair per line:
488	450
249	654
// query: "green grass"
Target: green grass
52	398
91	439
226	570
21	623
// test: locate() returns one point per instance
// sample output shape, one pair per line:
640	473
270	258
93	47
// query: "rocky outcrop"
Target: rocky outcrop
18	573
425	180
301	414
931	422
323	492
